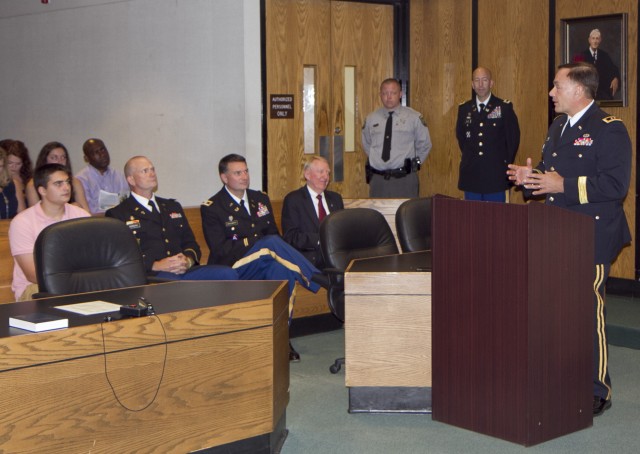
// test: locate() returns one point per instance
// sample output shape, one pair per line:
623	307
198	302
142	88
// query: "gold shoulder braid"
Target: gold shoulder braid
611	118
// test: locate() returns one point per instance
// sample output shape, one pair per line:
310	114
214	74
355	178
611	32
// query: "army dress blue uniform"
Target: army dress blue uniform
488	141
166	234
251	243
594	158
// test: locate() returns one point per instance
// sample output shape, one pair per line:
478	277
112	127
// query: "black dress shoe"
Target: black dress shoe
294	356
600	405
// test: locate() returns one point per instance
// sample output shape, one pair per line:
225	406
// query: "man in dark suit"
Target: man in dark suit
240	230
169	248
586	167
608	72
488	135
305	208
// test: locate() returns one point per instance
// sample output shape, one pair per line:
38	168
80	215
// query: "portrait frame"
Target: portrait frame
613	48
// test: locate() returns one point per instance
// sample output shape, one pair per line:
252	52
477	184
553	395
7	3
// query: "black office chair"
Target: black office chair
413	224
345	235
87	255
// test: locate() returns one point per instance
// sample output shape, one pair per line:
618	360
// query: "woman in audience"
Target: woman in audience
56	153
18	160
11	199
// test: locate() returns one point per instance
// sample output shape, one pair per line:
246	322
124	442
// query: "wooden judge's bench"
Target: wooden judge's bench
209	372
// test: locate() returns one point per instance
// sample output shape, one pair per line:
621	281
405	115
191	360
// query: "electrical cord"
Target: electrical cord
164	364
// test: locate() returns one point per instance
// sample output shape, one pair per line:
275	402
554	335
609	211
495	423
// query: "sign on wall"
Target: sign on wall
281	106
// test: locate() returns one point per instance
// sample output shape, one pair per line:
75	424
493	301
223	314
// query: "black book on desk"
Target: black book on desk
38	322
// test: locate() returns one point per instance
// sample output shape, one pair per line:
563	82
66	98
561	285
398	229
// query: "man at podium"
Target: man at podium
586	167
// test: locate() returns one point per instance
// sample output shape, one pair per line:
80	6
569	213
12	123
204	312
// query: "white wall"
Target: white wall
176	80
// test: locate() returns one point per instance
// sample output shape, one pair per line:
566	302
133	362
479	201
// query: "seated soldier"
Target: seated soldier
305	208
241	231
169	248
53	183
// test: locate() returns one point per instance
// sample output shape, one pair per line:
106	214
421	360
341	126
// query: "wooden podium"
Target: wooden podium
512	319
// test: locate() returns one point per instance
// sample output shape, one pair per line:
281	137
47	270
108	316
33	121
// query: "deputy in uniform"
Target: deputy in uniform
240	230
488	135
169	248
396	140
586	167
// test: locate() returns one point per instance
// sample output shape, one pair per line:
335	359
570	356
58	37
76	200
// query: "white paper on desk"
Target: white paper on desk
90	307
107	200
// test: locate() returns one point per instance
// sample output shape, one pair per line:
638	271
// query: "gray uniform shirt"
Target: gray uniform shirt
409	137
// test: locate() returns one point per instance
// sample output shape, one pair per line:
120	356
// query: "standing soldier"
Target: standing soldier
488	134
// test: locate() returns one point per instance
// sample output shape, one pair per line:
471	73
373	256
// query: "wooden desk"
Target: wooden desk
210	371
388	333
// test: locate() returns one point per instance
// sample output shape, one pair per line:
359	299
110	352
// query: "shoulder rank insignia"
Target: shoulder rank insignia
423	121
611	118
464	102
506	101
207	203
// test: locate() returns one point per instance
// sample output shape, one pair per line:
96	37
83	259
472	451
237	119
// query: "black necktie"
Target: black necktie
481	107
386	145
595	56
322	213
152	207
244	207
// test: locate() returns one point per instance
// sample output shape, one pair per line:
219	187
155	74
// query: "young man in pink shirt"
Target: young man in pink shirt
53	183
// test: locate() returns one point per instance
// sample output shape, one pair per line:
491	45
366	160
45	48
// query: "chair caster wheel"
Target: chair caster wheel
335	368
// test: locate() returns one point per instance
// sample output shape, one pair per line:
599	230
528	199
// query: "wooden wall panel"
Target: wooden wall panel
519	64
440	78
624	266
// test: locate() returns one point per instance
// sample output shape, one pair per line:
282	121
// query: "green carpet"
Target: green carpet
318	420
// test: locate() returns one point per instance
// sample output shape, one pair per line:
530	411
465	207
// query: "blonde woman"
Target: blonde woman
11	190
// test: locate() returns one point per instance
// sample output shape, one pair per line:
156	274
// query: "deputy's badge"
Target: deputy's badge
175	215
207	203
133	224
423	121
495	113
262	210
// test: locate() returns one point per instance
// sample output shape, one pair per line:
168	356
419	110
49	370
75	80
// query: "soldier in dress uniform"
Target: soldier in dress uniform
396	140
488	134
241	232
586	167
169	248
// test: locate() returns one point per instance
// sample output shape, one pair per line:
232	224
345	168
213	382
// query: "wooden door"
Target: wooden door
327	58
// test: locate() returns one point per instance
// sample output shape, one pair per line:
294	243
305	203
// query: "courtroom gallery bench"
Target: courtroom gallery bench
311	312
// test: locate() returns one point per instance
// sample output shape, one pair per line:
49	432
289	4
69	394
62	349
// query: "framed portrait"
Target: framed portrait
601	40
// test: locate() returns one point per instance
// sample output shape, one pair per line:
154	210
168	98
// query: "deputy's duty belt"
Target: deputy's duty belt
395	173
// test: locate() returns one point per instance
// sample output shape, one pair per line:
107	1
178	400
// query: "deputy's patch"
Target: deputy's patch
207	203
611	119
